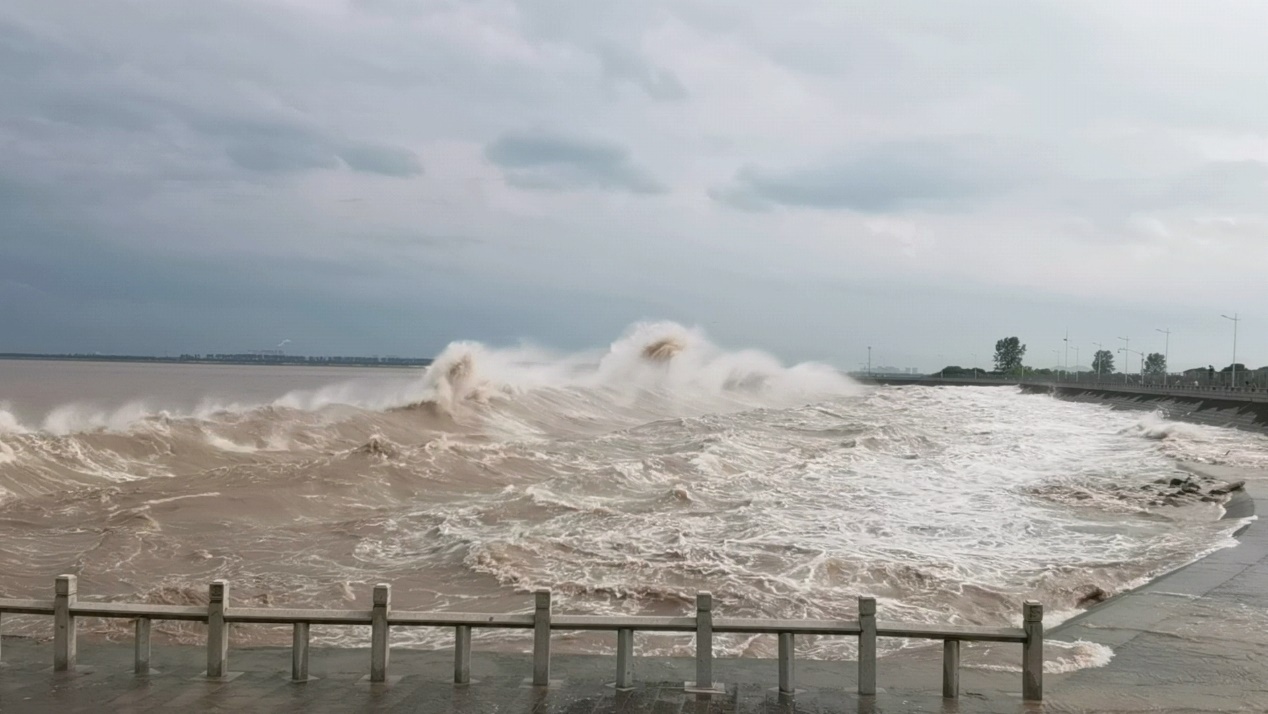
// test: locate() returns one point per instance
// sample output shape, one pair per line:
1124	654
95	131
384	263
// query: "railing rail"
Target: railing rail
219	614
1177	385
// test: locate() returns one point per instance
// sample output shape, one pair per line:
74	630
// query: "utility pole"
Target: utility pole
1126	354
1166	355
1235	319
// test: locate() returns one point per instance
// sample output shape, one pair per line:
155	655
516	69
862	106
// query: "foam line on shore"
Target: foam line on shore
1241	505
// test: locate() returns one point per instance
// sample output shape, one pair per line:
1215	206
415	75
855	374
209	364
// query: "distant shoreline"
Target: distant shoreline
234	359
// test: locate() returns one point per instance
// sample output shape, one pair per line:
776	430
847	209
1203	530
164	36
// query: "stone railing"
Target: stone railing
65	608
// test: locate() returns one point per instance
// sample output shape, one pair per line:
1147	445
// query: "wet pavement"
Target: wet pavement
106	684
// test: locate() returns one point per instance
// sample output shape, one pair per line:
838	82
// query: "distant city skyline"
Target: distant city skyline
373	176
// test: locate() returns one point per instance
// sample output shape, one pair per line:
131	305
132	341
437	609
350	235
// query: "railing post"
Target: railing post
704	640
704	683
65	592
1032	652
787	672
541	638
950	669
217	630
867	646
299	652
381	605
625	659
462	654
141	647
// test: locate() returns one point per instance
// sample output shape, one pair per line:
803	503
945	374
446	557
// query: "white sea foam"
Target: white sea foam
1059	657
9	423
75	417
158	501
227	445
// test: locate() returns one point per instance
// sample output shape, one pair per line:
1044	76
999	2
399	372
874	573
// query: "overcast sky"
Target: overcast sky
810	177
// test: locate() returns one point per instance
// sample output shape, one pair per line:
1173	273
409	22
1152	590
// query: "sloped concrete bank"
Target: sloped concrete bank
1198	409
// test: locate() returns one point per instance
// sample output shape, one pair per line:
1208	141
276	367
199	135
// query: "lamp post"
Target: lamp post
1101	348
1066	362
1235	319
1127	355
869	360
1126	343
1166	355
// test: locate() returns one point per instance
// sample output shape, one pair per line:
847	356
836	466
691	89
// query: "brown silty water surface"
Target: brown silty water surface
626	479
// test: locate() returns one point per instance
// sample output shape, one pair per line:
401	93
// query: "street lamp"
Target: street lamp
1166	355
1235	319
1126	343
869	360
1066	362
1100	348
1127	356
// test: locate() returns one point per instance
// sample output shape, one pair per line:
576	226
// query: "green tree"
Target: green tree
1155	364
958	372
1008	355
1103	362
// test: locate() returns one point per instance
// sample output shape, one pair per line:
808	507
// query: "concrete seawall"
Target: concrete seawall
1241	409
1211	408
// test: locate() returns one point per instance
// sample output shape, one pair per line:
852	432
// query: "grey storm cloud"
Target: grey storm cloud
276	147
57	85
386	160
877	179
212	173
659	83
282	146
557	163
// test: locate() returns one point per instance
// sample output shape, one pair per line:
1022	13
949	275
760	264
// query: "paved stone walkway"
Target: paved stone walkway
107	685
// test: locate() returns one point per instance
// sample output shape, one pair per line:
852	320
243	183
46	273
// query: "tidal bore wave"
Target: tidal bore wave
626	479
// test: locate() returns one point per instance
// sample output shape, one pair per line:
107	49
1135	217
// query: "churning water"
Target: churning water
626	479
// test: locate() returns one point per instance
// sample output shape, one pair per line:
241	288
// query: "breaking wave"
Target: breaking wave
675	364
627	477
